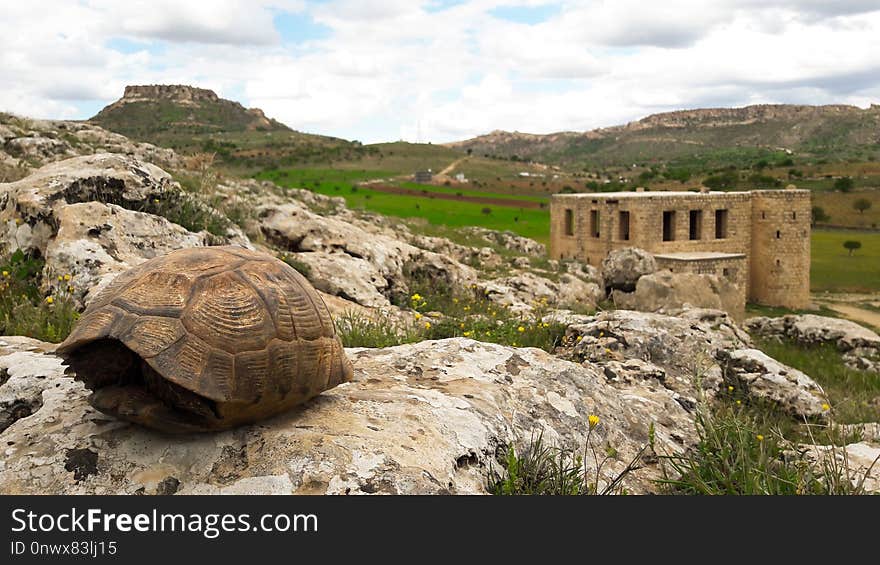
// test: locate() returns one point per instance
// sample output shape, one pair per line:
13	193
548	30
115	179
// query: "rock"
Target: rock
95	242
374	260
426	418
345	276
765	378
693	356
521	293
858	462
671	293
29	207
509	240
622	268
859	345
37	148
685	348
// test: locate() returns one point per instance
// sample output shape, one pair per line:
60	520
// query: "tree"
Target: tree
844	184
861	205
852	246
819	215
486	211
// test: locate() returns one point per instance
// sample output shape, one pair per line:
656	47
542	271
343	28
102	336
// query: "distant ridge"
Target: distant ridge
831	129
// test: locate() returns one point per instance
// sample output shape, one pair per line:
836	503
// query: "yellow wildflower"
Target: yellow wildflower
580	337
520	329
607	351
416	297
455	300
738	402
427	325
729	388
69	289
826	407
5	273
466	308
760	437
546	325
66	277
467	334
418	316
593	420
49	300
461	325
60	278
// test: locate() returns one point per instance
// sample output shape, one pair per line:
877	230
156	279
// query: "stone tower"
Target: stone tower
780	255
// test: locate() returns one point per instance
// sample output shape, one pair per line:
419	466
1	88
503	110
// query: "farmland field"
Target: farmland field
526	221
833	269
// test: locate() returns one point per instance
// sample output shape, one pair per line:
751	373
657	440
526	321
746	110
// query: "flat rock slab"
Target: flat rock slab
426	418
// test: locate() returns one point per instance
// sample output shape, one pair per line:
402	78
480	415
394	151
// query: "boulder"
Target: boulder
509	240
374	260
694	356
521	293
859	345
622	268
427	418
95	242
671	293
765	378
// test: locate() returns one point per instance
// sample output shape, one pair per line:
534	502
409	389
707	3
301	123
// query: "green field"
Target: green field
833	269
529	222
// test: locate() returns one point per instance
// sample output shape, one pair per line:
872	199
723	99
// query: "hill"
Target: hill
190	120
703	137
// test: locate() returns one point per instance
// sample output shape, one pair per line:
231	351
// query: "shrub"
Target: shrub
819	215
844	184
851	245
861	205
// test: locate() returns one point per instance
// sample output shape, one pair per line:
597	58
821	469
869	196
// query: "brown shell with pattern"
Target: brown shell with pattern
205	339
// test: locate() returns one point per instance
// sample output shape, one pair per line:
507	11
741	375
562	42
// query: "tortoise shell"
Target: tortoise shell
205	339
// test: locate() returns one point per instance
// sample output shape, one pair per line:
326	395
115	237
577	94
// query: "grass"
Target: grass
23	308
442	312
854	395
736	454
528	222
541	469
833	269
839	207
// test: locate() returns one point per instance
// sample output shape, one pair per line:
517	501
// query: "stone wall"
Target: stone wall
646	223
733	268
774	271
780	269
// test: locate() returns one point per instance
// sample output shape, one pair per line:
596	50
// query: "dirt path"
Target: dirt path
451	167
855	313
507	202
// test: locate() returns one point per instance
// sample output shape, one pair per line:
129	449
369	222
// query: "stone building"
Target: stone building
760	240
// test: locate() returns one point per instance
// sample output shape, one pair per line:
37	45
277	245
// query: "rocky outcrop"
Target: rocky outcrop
622	268
371	269
671	293
694	355
509	240
764	378
82	216
427	418
95	242
521	293
34	143
859	345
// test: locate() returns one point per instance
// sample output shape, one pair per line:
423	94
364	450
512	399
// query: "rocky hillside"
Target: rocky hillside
191	119
811	130
148	110
461	353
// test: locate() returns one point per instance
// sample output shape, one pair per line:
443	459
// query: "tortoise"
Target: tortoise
205	339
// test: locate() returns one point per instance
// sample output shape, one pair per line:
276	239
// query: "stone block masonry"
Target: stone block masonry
767	230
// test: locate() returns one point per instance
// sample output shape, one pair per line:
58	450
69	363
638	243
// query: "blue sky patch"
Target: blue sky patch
530	15
296	28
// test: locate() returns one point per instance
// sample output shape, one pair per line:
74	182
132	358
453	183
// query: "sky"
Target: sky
442	70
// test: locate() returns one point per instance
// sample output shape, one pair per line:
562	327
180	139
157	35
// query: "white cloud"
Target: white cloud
392	68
